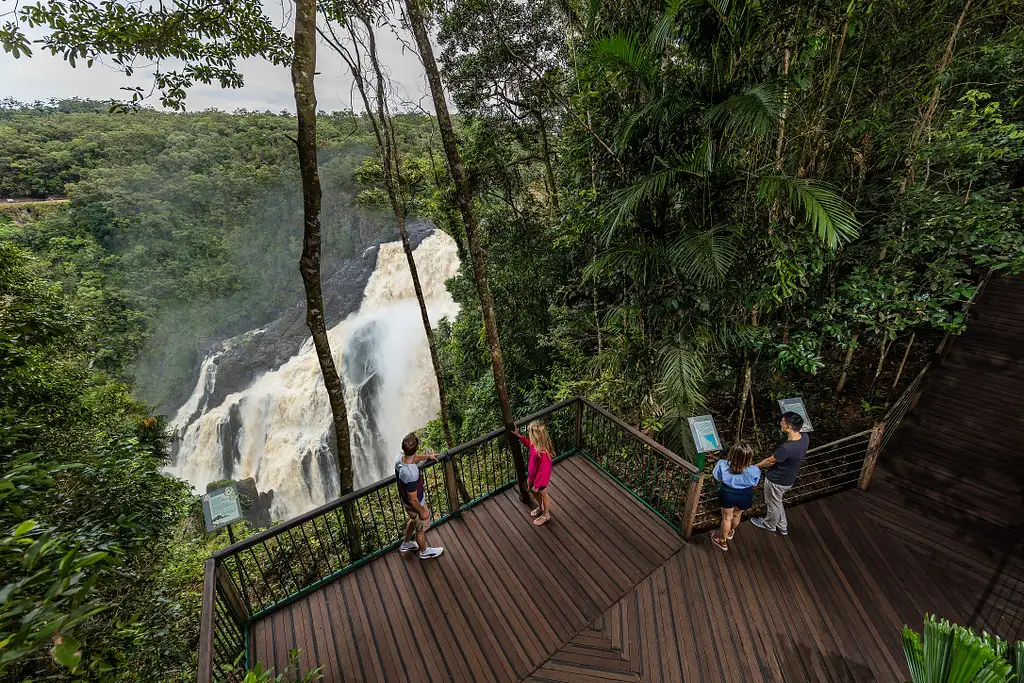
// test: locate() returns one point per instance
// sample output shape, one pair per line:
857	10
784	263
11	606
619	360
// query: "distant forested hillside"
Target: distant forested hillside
185	227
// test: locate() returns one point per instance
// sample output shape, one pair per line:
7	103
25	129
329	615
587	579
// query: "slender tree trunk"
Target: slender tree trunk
925	122
391	165
548	170
846	365
746	384
387	147
303	70
741	398
886	345
903	362
464	196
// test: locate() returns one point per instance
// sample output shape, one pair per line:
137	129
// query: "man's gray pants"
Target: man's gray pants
776	517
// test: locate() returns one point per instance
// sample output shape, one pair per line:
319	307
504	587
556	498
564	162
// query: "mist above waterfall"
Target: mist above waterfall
278	429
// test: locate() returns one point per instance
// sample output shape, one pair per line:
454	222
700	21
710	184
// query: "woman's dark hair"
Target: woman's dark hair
741	455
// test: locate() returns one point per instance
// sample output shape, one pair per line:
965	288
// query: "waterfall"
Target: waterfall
278	429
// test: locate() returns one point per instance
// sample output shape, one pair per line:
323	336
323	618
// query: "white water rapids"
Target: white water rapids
282	422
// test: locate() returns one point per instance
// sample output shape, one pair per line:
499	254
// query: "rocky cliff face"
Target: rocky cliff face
249	355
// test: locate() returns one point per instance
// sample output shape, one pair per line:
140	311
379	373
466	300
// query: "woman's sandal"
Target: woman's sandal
543	519
535	512
717	540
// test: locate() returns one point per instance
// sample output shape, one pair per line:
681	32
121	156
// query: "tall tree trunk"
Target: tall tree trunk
303	70
548	170
899	373
846	365
464	196
746	384
925	122
391	166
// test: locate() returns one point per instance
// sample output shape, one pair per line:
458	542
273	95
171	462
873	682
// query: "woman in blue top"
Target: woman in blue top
738	476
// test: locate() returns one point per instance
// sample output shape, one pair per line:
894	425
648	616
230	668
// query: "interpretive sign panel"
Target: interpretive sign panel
221	507
796	405
705	435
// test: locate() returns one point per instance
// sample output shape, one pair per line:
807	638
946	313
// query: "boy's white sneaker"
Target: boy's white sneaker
408	545
431	553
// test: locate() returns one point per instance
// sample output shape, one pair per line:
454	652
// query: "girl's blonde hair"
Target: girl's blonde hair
537	432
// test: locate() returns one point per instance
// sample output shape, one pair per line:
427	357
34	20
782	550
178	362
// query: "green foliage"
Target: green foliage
84	509
204	37
291	674
736	183
948	653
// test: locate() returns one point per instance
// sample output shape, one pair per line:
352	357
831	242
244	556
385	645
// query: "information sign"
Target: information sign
221	507
705	435
796	405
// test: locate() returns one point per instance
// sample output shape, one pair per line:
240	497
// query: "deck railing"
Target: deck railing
833	467
660	479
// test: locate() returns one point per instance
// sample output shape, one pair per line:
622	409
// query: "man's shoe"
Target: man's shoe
431	553
784	532
761	523
408	545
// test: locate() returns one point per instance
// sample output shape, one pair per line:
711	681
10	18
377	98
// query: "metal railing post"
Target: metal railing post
579	424
874	448
690	505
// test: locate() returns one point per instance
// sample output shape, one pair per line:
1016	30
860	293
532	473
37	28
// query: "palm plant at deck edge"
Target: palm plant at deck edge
948	653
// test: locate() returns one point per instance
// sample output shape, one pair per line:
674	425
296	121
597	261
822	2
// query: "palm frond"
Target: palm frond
636	259
704	257
664	29
641	122
700	160
754	112
624	50
682	372
829	215
624	204
913	650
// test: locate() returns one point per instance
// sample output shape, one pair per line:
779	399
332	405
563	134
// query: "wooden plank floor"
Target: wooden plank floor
502	599
941	530
611	595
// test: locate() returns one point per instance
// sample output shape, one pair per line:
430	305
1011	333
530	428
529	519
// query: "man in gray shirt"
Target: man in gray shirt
782	470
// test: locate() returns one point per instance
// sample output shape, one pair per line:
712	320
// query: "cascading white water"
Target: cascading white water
277	430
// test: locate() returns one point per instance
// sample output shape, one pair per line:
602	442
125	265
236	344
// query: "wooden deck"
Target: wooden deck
500	601
609	593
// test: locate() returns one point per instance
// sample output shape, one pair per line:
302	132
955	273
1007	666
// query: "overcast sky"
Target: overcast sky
266	86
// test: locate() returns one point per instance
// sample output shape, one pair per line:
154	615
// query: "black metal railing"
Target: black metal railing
659	478
830	468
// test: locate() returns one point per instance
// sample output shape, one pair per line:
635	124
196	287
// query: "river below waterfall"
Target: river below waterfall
278	428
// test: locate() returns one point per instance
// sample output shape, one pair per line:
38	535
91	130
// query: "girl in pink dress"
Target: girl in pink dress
542	454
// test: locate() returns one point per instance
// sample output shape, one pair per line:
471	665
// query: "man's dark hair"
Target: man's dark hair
410	444
794	420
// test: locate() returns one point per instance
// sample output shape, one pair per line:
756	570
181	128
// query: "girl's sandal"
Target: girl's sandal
543	519
535	512
717	540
